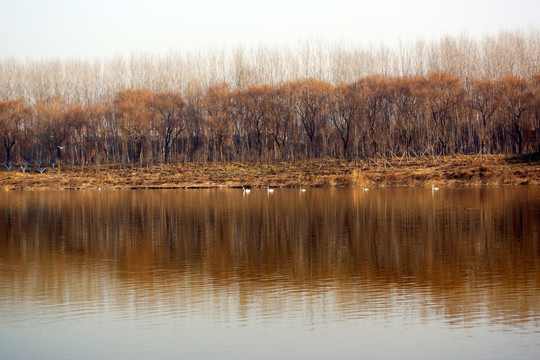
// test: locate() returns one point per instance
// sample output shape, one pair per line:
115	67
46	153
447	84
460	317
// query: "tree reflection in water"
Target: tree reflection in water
463	255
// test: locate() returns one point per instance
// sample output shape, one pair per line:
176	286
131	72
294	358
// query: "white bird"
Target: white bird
61	147
302	190
365	189
246	191
270	190
433	188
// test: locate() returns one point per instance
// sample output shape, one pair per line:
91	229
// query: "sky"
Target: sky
34	29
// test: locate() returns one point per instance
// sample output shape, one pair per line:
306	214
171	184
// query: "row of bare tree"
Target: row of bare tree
89	81
374	116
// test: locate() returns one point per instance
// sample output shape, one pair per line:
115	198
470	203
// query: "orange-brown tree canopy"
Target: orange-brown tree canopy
374	116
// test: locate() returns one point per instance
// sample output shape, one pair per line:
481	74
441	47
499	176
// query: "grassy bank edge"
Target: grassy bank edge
447	171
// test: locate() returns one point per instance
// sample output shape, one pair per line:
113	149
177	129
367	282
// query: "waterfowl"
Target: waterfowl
302	190
433	188
246	191
269	190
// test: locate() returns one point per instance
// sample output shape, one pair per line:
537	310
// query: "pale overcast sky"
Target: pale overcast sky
102	28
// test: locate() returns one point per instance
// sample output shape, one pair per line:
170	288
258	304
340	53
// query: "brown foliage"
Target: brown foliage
310	100
54	124
169	119
516	100
219	106
12	115
373	117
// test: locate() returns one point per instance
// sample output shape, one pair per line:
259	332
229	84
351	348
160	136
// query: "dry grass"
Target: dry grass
459	170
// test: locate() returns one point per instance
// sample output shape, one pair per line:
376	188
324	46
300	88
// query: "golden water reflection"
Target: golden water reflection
463	256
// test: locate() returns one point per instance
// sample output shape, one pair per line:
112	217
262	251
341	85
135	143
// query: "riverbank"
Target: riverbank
448	171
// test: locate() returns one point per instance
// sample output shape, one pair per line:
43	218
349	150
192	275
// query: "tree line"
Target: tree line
98	80
436	114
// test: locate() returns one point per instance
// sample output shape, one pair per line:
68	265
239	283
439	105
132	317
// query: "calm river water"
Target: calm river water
325	274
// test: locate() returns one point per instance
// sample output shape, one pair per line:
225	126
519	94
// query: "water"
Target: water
329	273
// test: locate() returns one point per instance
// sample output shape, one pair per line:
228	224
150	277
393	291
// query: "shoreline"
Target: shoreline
447	171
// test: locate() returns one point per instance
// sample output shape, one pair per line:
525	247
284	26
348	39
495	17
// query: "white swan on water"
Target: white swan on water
269	190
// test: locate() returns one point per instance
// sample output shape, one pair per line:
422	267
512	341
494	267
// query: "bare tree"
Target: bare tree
516	100
169	120
13	113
